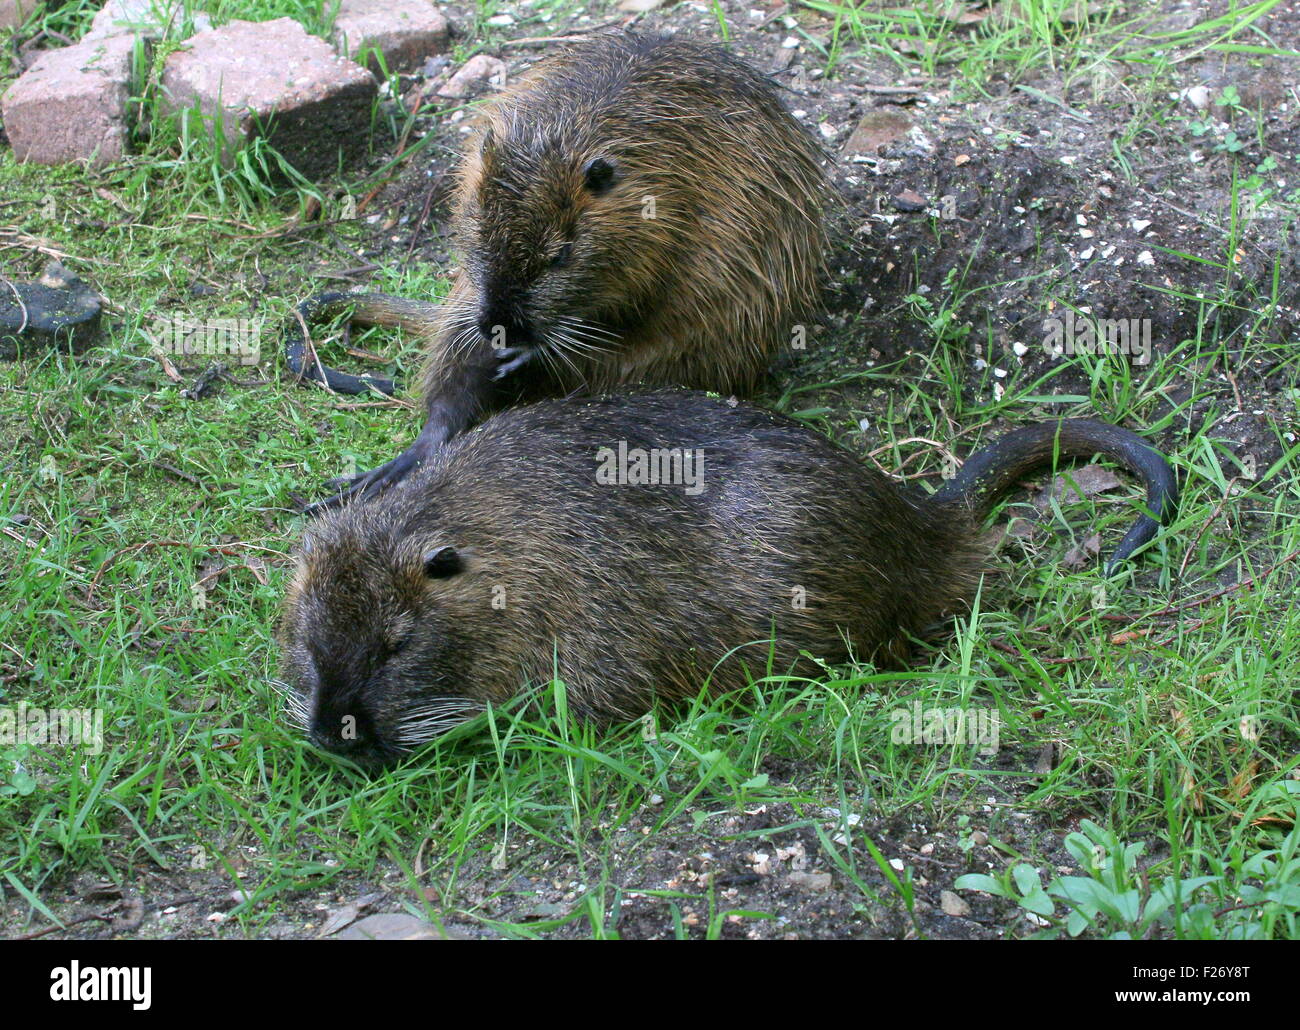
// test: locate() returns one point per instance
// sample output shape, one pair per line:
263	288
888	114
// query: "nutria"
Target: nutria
639	209
515	555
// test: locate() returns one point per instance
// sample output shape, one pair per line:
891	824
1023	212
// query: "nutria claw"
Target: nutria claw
367	484
512	358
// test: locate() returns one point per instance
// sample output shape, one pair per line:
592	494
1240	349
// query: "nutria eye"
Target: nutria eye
442	562
599	175
562	256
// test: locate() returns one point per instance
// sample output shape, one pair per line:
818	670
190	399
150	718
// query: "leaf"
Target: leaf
1079	920
1129	905
1087	481
1082	553
1038	903
1026	877
980	882
1163	896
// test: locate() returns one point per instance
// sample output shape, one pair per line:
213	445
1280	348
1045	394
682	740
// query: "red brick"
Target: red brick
147	18
273	79
404	31
71	105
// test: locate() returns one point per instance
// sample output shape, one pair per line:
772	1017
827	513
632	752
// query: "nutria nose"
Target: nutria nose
504	331
340	743
342	726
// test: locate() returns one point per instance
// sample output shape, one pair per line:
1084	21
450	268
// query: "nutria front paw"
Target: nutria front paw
511	359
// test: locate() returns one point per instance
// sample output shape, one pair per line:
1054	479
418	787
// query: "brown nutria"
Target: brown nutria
515	556
639	209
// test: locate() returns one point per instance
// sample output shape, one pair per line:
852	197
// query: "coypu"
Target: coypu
512	557
639	209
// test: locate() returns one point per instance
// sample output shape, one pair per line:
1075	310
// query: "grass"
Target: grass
144	551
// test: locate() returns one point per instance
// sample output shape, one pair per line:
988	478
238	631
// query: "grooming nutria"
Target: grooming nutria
557	539
639	209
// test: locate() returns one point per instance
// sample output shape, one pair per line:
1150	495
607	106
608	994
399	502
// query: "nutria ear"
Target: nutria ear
599	175
442	562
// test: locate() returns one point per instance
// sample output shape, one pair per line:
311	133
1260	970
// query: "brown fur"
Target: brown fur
701	295
627	592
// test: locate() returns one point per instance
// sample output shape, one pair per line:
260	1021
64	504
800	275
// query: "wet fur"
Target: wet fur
628	592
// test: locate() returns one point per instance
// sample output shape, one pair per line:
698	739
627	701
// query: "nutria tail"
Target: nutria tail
415	316
991	471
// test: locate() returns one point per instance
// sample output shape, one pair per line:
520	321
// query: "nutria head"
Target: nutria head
369	653
545	233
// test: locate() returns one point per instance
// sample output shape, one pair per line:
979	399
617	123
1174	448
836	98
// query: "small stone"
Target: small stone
875	130
908	200
477	72
1198	97
810	881
953	905
392	926
58	312
1140	224
1146	258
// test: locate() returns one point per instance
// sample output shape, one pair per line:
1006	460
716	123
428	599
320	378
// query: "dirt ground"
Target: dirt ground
1016	198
